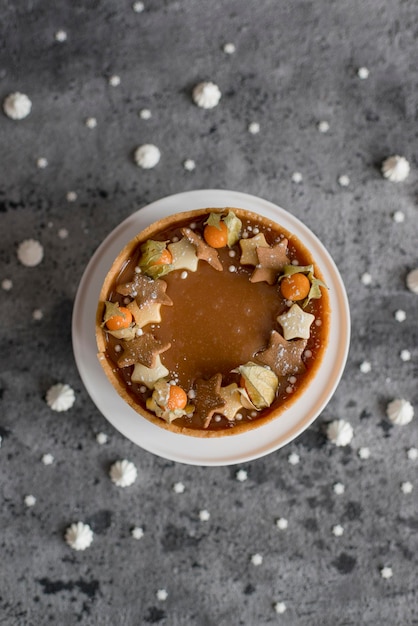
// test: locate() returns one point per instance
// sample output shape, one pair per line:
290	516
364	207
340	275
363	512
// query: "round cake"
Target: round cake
212	322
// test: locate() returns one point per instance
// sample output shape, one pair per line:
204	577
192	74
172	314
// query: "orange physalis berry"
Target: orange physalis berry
177	398
117	322
295	287
216	236
165	259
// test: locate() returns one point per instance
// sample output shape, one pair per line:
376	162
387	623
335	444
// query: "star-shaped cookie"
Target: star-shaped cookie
145	290
233	403
282	356
203	251
296	323
270	262
249	249
208	399
143	349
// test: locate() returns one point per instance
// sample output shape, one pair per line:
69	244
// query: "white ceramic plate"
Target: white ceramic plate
195	450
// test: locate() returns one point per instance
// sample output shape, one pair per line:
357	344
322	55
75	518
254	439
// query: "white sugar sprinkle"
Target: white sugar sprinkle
138	7
256	559
114	81
323	126
6	284
189	165
280	607
71	196
47	459
338	489
101	438
366	279
293	458
297	177
365	367
63	233
61	36
343	180
407	487
42	163
282	523
37	314
363	73
145	114
229	48
399	217
162	595
254	128
137	532
232	269
405	355
337	530
400	315
30	500
412	454
178	488
241	475
386	572
364	453
91	122
184	275
204	515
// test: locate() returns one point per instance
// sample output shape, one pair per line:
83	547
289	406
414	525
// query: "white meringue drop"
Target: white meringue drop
400	411
123	473
395	168
17	106
60	397
206	95
340	432
147	156
30	252
412	281
79	536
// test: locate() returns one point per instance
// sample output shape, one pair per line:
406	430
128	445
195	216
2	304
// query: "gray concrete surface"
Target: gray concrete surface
295	64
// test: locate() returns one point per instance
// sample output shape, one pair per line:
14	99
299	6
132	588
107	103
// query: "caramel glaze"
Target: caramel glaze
218	321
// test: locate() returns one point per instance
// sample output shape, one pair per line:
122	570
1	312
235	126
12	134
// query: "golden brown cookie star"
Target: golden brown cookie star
143	349
208	399
270	262
283	357
203	251
145	290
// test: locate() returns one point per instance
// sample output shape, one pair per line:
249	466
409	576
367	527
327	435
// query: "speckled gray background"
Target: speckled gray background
295	64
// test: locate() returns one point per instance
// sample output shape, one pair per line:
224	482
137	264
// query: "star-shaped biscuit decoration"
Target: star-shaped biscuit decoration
203	251
271	261
282	356
249	249
146	291
208	399
233	403
143	349
296	323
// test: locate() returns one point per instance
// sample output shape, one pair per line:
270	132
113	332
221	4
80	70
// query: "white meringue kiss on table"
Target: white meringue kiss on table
17	106
400	412
60	397
30	253
412	281
340	432
206	95
396	168
123	473
147	156
79	536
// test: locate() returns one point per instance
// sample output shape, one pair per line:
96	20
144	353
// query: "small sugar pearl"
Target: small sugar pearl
71	196
282	523
338	489
308	354
254	128
293	458
364	453
256	559
386	572
256	230
42	163
241	475
101	438
137	270
337	530
145	114
407	487
6	284
91	122
365	367
232	269
217	418
178	488
323	126
137	532
363	73
63	233
292	380
138	7
412	454
61	36
399	217
192	394
37	314
204	515
229	48
118	348
400	315
143	389
189	165
280	607
343	180
297	177
114	81
232	254
162	595
139	332
405	355
366	279
47	459
289	389
30	500
184	275
238	417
